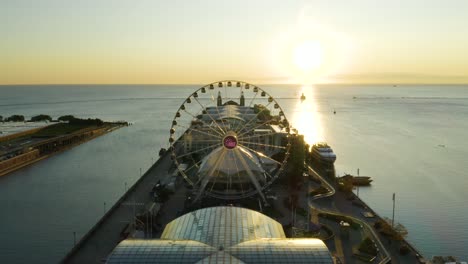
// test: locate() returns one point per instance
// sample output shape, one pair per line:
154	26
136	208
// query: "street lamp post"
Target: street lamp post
357	185
393	214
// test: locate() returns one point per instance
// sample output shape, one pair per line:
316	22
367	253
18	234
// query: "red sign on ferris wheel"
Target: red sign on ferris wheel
230	142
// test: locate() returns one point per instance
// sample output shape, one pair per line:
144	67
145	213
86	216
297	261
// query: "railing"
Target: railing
331	192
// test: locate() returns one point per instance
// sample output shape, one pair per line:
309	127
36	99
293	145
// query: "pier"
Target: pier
27	147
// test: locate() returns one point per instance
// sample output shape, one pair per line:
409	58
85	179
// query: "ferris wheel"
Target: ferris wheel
230	140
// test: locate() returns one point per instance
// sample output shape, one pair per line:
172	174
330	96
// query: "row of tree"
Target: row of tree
66	118
13	118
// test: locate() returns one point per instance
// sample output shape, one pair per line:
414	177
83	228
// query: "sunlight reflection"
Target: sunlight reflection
306	118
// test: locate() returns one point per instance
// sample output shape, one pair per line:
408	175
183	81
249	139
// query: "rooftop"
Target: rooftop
222	235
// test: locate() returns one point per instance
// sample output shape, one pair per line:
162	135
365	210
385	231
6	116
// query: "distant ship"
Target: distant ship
303	97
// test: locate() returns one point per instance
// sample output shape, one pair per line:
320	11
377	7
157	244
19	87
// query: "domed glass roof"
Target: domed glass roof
235	164
227	171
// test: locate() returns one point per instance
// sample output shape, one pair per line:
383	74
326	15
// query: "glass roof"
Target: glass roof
223	226
160	251
222	161
222	235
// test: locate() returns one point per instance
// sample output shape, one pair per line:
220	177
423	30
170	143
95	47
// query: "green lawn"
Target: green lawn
58	129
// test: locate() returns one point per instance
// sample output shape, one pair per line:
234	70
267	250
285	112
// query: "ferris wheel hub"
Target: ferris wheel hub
230	140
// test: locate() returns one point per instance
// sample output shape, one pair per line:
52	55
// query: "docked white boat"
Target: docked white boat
323	152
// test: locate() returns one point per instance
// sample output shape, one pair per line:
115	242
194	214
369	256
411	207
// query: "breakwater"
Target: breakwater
42	148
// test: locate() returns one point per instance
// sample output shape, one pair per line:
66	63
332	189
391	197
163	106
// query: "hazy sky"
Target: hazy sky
149	41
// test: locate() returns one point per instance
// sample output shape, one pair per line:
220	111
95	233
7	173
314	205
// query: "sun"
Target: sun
310	53
308	56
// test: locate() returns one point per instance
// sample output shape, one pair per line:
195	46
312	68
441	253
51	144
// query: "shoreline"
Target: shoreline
85	135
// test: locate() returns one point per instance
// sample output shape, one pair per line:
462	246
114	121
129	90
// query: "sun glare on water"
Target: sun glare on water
306	118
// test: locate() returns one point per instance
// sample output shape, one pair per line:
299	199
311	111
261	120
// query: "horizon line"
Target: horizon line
202	84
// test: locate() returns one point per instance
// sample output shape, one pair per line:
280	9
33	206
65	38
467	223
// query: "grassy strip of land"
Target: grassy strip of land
59	129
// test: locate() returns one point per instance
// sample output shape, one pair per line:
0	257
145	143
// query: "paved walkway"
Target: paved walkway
96	245
339	248
340	205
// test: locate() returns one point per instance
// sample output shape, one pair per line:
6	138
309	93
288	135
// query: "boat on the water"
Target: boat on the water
303	97
358	180
398	227
323	152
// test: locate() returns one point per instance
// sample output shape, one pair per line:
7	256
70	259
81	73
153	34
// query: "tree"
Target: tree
1	118
404	250
86	122
15	118
39	118
81	122
262	112
66	118
296	160
367	246
345	184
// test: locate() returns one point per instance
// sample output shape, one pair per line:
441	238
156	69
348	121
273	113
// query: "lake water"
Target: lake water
411	139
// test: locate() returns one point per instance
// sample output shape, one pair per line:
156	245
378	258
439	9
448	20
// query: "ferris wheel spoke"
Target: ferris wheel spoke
260	154
256	136
198	150
215	104
212	119
219	113
263	156
251	101
275	161
238	176
205	178
225	91
199	131
260	144
268	175
216	169
255	127
194	165
234	128
253	118
250	104
250	173
207	125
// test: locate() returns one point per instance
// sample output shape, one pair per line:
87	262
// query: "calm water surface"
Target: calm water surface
410	139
